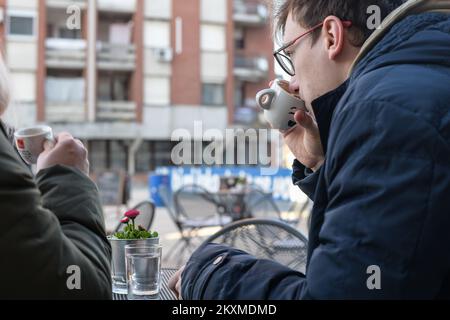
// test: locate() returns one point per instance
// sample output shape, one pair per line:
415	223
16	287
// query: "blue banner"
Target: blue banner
280	184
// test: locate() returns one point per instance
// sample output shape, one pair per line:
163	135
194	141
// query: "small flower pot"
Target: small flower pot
118	274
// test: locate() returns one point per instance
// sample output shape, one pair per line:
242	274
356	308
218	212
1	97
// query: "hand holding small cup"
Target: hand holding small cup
66	151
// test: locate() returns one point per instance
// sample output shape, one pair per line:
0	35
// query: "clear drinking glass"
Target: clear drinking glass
143	269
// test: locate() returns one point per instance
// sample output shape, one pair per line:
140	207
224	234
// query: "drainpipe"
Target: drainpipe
92	61
132	150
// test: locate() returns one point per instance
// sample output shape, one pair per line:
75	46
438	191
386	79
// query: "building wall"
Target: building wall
186	79
182	47
137	78
213	40
157	42
20	57
257	41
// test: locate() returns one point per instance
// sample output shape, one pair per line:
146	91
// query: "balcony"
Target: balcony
65	53
120	57
122	6
65	97
64	112
251	69
246	13
116	111
63	4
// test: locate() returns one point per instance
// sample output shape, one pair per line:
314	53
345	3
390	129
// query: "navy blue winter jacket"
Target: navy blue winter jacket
382	197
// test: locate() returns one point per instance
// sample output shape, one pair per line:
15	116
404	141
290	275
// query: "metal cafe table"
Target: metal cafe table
164	294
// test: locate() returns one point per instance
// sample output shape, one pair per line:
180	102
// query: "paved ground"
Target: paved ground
166	228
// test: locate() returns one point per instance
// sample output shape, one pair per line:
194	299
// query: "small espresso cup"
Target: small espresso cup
280	105
30	142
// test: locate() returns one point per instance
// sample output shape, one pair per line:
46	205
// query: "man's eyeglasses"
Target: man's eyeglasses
283	58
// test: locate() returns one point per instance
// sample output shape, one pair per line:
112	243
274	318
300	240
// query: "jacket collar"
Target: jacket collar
3	128
408	8
323	108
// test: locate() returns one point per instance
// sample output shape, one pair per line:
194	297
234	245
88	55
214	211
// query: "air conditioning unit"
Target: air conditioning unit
163	54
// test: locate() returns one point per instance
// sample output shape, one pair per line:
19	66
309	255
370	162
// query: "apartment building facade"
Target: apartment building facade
123	75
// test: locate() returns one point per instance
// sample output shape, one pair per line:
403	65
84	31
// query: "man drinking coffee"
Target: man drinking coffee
372	152
52	239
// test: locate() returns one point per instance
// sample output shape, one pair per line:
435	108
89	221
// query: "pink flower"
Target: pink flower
125	220
132	214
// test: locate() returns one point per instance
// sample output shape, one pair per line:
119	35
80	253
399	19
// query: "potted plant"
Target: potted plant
131	234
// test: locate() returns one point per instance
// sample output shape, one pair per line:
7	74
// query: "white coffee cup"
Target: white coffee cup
30	142
279	105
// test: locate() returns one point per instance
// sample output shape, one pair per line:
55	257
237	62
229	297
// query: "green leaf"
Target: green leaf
119	235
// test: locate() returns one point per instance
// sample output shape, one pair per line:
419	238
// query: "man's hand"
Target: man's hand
175	283
67	151
304	139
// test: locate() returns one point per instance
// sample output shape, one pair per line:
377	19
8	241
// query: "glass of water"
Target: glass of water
143	269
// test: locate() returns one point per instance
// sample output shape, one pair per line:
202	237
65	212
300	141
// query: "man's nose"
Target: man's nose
293	85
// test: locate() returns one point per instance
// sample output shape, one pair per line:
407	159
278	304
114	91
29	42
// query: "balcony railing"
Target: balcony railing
65	53
64	112
249	13
252	69
66	3
116	56
125	6
119	111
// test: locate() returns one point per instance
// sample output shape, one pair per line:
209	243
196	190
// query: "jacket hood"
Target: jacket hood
417	39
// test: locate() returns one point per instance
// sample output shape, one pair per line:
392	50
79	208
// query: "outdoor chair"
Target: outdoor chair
260	204
293	212
266	239
197	208
191	209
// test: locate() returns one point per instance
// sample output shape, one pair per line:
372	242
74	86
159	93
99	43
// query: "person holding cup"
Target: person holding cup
372	149
52	241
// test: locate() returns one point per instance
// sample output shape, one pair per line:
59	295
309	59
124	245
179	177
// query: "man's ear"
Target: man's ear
333	33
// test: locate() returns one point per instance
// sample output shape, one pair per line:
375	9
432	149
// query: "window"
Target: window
239	38
157	34
143	161
69	34
21	24
114	86
239	94
25	86
163	153
214	67
97	155
213	94
158	9
214	10
118	155
212	37
157	91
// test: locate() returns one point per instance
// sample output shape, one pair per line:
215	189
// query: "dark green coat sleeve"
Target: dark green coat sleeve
49	227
